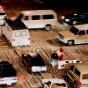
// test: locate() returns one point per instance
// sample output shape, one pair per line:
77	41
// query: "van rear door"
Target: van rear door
21	37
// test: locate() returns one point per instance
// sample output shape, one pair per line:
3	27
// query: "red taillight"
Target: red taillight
28	38
13	39
20	78
79	83
2	7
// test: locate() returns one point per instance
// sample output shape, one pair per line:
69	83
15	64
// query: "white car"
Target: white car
2	16
54	83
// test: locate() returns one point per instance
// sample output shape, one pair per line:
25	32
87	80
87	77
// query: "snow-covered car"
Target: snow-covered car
54	83
80	16
34	62
8	74
2	15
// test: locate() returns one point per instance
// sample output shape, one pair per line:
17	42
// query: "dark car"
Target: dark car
80	16
34	62
8	74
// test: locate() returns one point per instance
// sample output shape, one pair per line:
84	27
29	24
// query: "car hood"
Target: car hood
66	34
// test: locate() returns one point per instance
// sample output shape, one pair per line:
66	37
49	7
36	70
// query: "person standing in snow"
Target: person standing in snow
54	57
60	54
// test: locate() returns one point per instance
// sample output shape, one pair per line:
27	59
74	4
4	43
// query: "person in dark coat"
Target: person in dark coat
54	57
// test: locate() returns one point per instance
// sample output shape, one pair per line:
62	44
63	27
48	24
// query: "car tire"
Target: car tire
70	42
29	70
23	62
66	74
2	34
48	27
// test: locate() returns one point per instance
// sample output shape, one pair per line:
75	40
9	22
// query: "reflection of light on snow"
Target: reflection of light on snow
21	79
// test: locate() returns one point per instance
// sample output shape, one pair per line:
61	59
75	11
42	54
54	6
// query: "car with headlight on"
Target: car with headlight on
77	34
54	83
34	62
8	75
80	16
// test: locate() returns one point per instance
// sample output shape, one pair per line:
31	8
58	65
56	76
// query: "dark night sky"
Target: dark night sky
67	3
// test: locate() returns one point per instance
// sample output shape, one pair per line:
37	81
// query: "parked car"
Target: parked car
2	15
8	74
54	83
78	74
78	34
81	16
34	62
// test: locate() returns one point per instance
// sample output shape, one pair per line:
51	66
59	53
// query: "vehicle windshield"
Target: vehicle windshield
37	60
74	30
6	69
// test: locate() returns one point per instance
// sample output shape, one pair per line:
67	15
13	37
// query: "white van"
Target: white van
16	32
39	19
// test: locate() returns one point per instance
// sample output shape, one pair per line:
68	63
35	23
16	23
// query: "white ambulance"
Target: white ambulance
16	33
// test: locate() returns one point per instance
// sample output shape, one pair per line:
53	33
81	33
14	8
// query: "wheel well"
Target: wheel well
48	25
71	40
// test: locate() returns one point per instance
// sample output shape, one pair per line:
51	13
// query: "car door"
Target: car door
81	38
70	72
